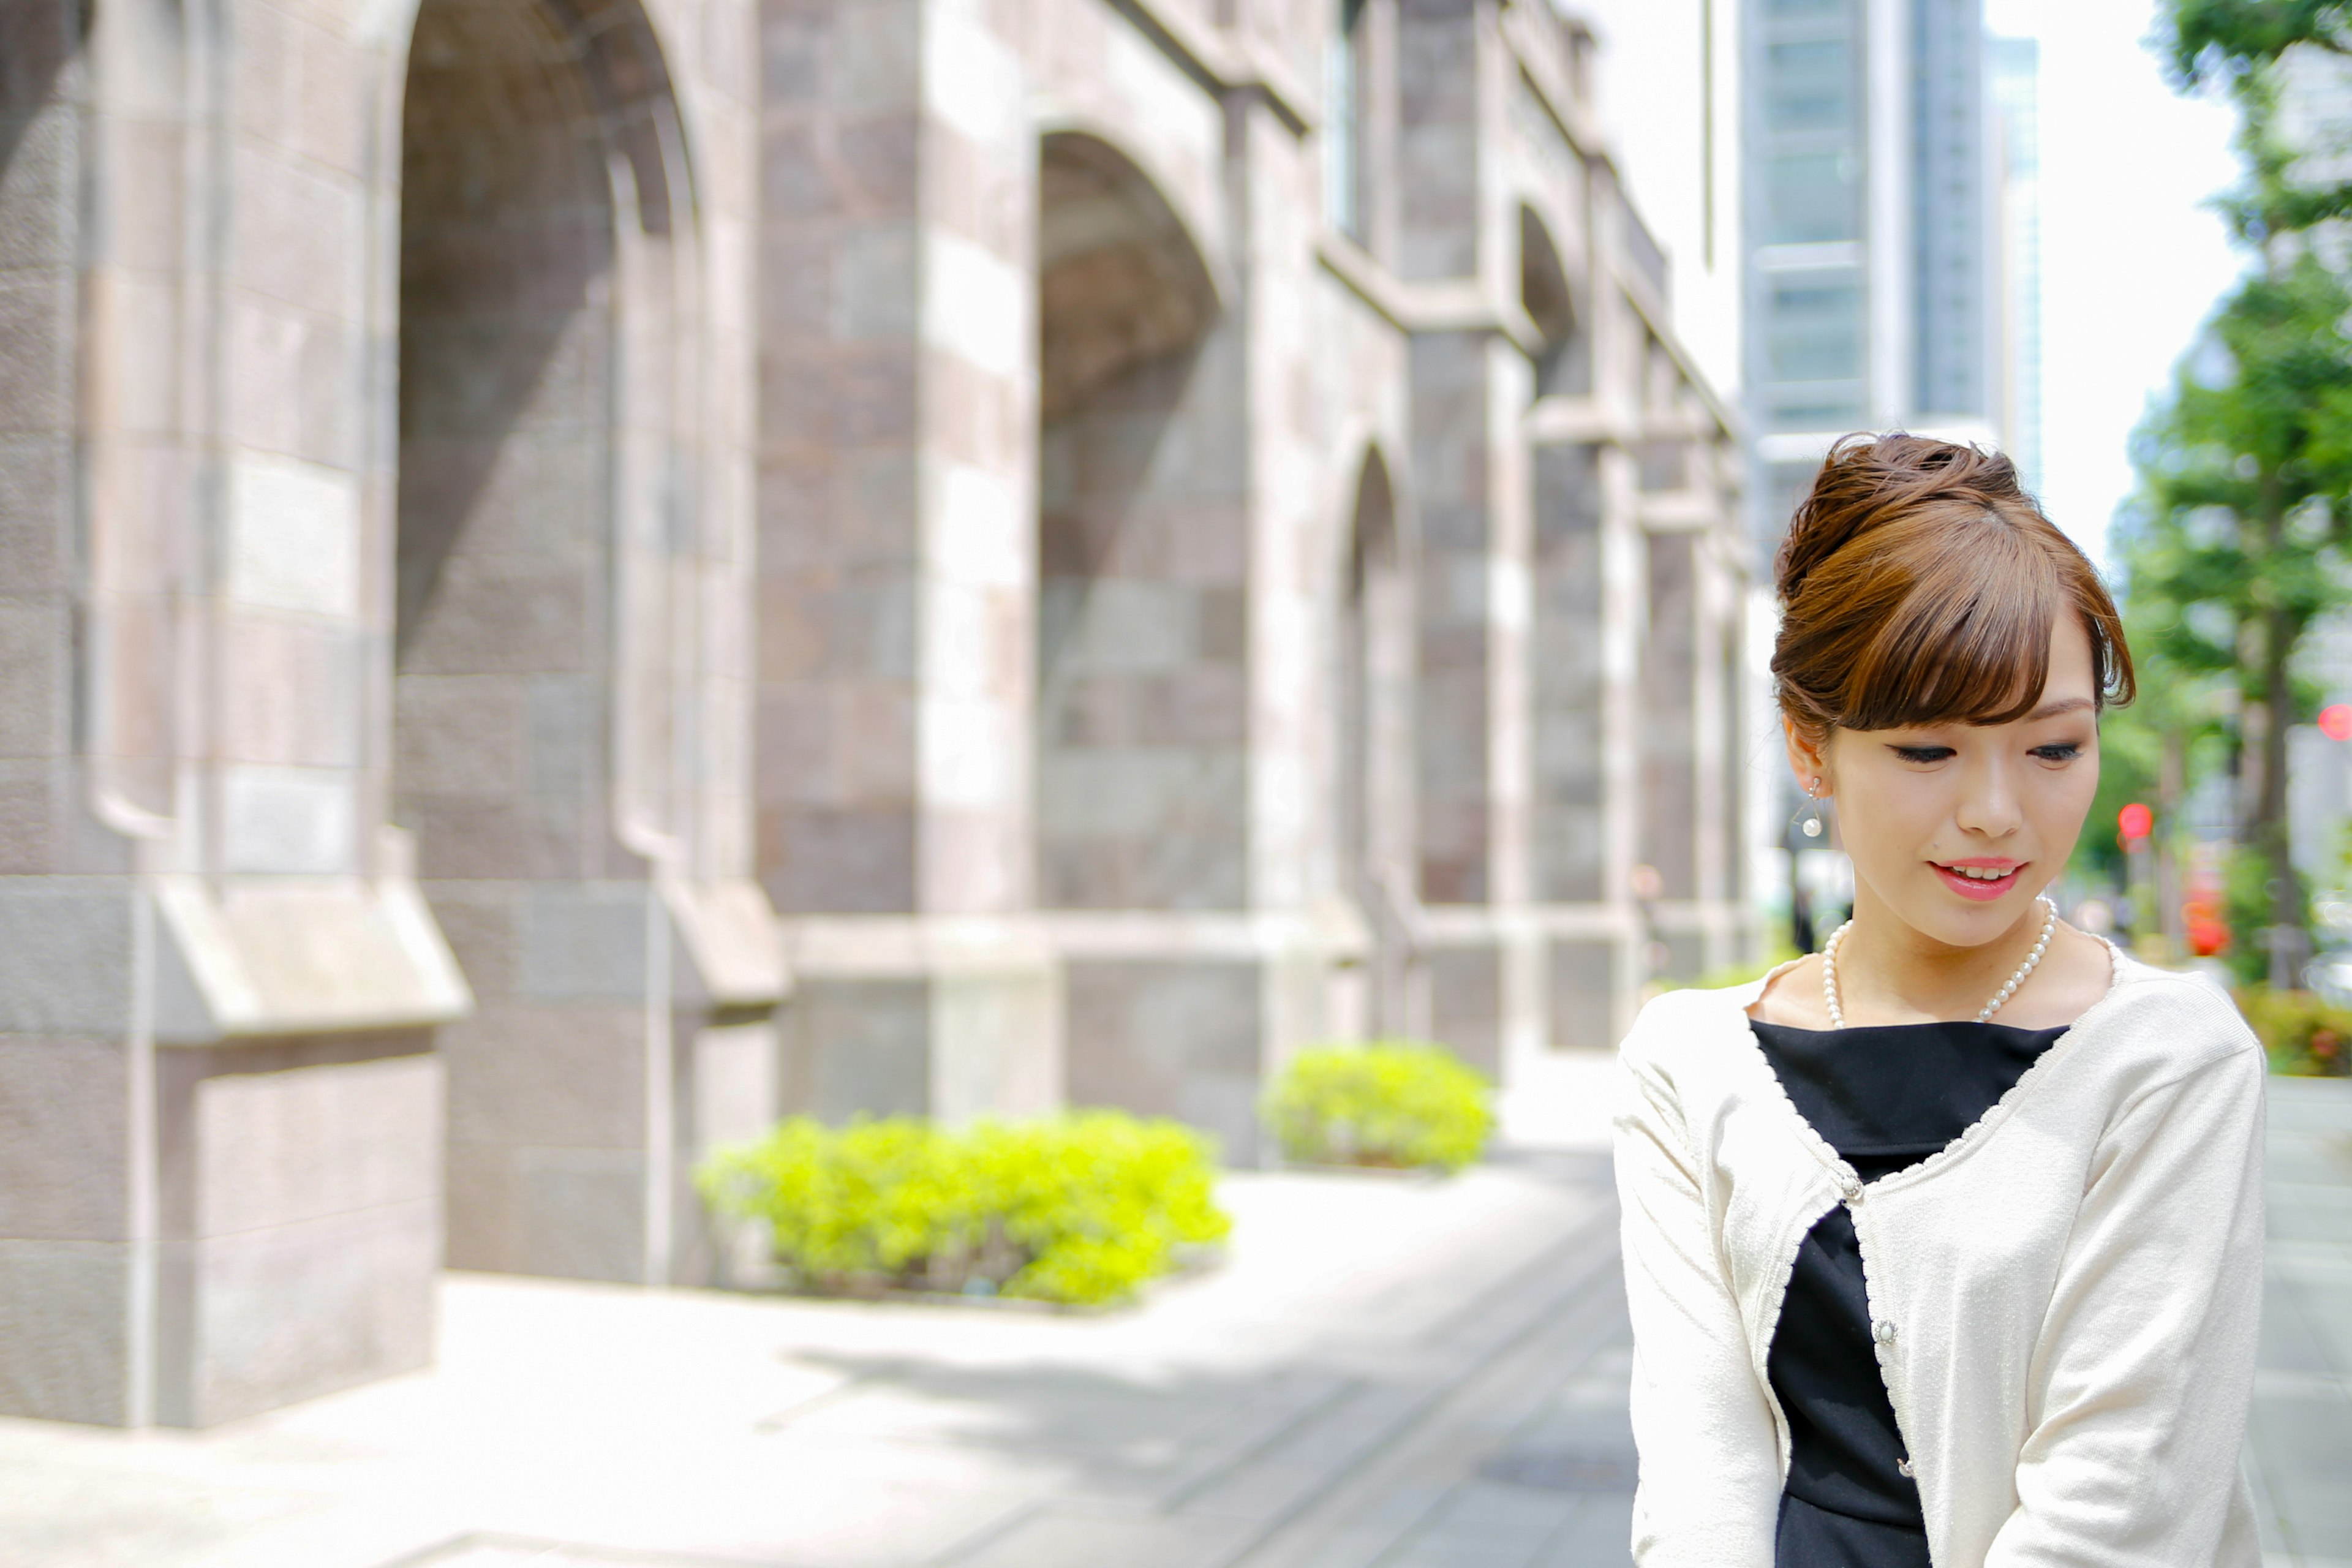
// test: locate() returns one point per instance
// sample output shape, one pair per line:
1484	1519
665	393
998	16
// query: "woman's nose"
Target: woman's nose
1989	801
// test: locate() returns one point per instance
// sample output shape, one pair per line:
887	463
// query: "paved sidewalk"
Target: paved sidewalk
1385	1373
2299	1454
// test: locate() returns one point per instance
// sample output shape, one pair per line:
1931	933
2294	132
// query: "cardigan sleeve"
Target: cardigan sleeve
1710	1482
2139	1392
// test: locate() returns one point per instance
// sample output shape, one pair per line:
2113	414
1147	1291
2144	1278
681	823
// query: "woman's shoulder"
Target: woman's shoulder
2155	1023
1691	1027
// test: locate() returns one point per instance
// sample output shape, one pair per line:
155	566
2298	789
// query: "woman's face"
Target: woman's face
1955	828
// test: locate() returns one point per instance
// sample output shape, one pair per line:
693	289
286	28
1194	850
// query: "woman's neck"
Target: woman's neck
1890	972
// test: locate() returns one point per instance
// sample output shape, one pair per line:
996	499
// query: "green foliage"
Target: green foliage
1391	1103
2236	545
2131	743
1777	952
2237	541
2228	40
1081	1208
2238	44
2303	1034
2250	901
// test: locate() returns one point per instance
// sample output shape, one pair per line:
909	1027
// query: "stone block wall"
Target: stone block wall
325	560
547	490
300	1224
1570	676
1454	436
1161	1038
1212	368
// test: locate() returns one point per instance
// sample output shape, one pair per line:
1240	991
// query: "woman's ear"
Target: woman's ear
1806	761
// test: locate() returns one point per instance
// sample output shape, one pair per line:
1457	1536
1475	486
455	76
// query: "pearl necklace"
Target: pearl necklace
2008	989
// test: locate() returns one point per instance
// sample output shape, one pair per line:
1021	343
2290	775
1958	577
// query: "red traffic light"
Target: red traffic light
2336	721
2135	822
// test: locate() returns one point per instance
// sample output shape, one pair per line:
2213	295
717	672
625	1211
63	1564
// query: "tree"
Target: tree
2237	541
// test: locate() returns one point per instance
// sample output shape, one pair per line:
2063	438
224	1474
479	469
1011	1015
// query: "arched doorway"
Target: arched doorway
542	495
1141	677
1372	805
1564	360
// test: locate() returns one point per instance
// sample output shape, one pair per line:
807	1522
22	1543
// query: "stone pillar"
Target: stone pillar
898	558
219	1100
224	997
1569	646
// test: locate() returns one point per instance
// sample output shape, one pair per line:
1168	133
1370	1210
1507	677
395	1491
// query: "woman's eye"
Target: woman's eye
1923	753
2063	752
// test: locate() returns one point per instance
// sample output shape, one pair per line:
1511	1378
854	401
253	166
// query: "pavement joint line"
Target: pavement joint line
783	1420
1556	1307
1229	1465
617	1557
1412	1531
1568	1311
1603	1219
995	1530
1441	1377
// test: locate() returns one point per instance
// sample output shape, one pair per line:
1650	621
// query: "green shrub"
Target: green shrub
1391	1103
1080	1208
1779	952
2303	1034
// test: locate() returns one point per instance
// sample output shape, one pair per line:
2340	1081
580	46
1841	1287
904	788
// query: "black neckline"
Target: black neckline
1853	1031
1886	1097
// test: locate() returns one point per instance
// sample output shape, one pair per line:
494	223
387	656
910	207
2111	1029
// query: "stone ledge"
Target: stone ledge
726	932
308	955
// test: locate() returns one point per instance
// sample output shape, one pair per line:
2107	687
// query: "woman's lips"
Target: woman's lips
1982	891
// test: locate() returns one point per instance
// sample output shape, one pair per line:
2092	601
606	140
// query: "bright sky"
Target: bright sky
2131	259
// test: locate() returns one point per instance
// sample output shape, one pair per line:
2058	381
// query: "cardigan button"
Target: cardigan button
1852	1189
1885	1333
1902	1466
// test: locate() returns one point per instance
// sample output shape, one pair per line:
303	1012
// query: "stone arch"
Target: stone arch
1122	280
1375	631
1564	360
1373	762
1142	701
546	504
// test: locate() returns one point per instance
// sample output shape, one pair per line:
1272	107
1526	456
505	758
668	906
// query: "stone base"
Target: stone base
301	1220
1191	1015
247	1212
950	1018
623	1030
1183	1037
296	1248
1505	983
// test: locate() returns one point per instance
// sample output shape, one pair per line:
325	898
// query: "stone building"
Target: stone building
575	575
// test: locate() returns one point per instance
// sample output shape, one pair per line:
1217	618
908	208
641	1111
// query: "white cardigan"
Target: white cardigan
2065	1299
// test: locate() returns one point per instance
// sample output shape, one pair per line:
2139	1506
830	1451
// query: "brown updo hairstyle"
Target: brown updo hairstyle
1918	585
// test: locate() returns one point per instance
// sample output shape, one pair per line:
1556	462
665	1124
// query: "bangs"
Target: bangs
1968	641
1920	584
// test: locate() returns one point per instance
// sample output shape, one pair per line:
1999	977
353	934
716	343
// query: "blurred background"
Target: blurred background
807	782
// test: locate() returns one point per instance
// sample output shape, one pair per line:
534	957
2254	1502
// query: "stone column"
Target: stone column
898	558
219	1101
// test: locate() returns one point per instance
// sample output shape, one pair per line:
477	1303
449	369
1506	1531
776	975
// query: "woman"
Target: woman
1943	1246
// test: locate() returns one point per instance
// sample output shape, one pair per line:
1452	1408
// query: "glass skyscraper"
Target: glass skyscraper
1877	292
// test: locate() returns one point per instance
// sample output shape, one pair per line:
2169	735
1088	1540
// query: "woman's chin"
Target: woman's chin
1945	917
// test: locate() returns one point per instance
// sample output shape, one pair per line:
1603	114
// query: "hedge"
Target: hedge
1081	1208
2305	1034
1392	1103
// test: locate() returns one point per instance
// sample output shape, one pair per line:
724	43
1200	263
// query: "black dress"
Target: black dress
1885	1098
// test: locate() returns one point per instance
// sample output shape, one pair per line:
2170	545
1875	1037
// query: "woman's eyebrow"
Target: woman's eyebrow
2062	705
